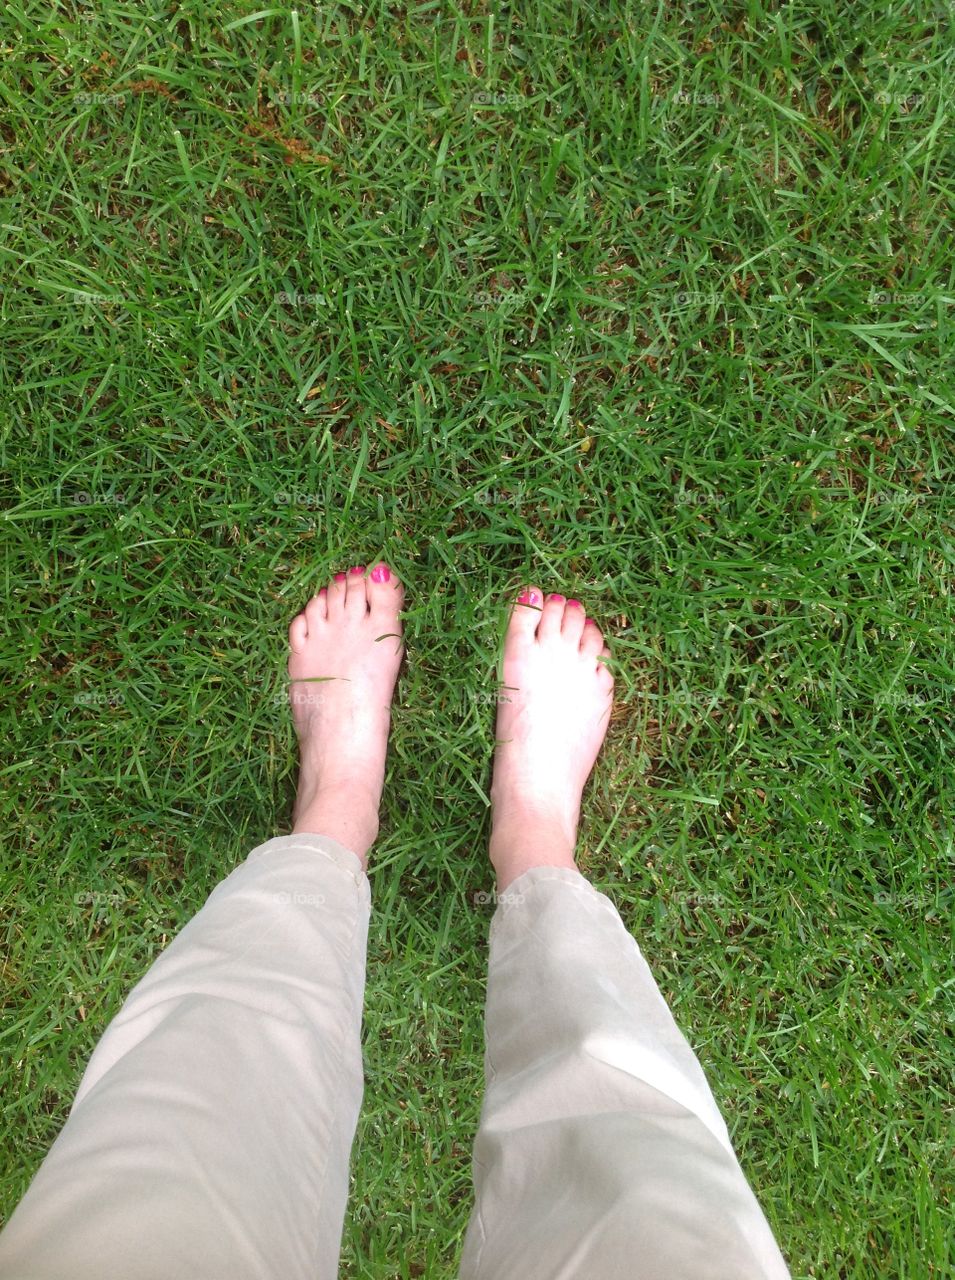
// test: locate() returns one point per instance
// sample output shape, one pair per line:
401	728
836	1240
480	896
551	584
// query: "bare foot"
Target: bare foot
345	650
553	711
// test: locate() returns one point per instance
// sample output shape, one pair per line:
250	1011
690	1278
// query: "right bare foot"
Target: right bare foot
553	711
344	654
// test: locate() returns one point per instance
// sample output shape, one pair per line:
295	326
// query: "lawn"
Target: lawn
648	304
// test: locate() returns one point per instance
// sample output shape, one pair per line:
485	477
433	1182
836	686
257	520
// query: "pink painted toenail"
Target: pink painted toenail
575	603
339	577
529	597
324	591
558	599
381	573
358	568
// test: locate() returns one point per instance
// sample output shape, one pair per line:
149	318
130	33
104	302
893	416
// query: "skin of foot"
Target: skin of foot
554	707
344	653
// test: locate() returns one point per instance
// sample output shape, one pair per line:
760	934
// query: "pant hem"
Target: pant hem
308	842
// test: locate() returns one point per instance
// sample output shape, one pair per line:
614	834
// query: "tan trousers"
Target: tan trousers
210	1136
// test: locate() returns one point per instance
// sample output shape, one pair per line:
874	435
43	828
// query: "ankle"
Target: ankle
348	814
521	813
524	837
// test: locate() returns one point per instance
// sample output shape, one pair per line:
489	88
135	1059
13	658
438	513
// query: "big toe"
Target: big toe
385	592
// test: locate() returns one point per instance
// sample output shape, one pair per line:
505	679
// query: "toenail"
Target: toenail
358	568
557	598
575	603
339	577
380	573
529	597
324	591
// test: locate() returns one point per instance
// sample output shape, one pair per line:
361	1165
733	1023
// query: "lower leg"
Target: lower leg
211	1132
601	1149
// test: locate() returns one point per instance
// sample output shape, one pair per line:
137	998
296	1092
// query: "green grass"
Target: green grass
650	304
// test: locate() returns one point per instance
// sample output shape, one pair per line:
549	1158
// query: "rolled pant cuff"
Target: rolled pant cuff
316	844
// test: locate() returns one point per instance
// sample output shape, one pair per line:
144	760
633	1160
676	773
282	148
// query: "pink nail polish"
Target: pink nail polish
575	603
324	591
339	577
524	598
557	598
358	568
381	573
534	597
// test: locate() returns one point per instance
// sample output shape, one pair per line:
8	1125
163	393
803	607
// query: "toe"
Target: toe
591	640
356	598
525	615
315	612
572	626
551	617
385	592
298	633
335	598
